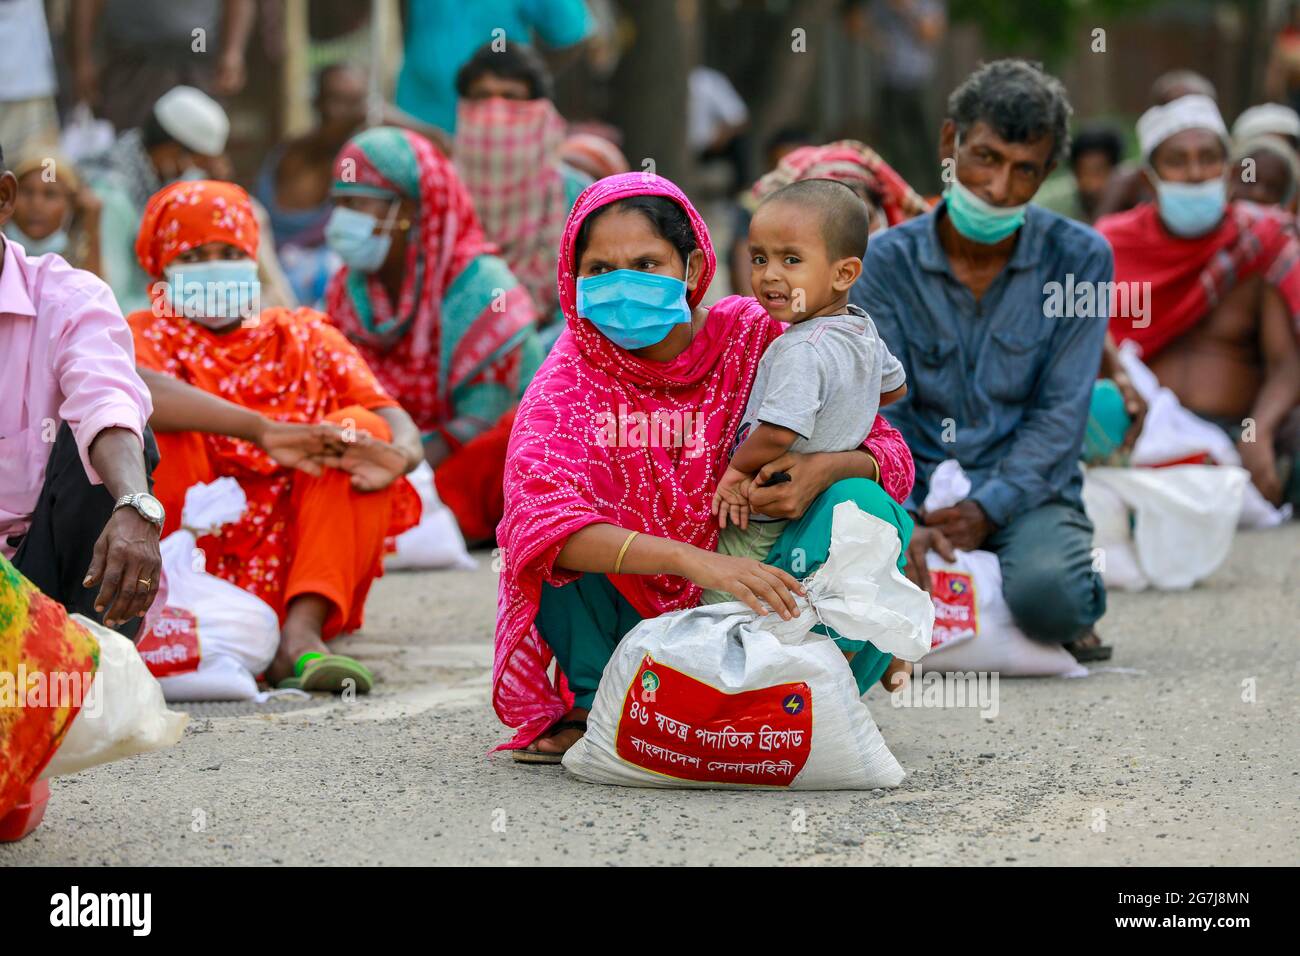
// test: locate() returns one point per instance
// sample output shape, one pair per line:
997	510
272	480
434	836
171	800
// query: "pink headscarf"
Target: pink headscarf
889	198
560	475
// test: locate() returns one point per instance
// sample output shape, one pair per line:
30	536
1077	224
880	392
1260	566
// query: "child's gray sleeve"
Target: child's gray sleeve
796	390
892	375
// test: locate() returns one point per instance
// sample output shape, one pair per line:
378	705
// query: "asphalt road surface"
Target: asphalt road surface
1180	750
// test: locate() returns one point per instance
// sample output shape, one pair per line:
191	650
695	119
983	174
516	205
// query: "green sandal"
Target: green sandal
314	671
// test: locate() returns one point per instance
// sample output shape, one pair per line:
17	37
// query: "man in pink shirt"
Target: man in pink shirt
76	516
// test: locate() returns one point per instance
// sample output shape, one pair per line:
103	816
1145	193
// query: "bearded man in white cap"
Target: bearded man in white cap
186	131
1223	316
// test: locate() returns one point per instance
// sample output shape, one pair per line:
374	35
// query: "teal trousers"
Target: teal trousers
583	621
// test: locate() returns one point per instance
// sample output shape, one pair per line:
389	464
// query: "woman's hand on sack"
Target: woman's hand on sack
750	581
1259	459
304	447
924	540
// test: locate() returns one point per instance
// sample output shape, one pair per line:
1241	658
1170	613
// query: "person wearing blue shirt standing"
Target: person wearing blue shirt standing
441	36
998	378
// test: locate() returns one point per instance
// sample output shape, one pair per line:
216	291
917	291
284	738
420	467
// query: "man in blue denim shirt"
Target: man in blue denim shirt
995	378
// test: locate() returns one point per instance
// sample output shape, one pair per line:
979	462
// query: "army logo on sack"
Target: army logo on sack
649	682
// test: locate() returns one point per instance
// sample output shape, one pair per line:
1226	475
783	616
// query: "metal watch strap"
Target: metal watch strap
130	501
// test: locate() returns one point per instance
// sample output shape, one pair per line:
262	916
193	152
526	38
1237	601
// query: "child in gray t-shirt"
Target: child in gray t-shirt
818	387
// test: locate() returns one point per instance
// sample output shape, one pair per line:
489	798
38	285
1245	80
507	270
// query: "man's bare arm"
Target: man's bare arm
85	17
1280	390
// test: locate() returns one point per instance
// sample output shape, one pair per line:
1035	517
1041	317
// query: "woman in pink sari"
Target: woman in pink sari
617	447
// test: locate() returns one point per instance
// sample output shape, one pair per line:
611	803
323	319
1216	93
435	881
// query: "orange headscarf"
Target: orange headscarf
193	213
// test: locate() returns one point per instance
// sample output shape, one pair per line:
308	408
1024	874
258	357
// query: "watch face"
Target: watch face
150	507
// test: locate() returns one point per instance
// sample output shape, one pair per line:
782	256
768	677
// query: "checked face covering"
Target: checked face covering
507	154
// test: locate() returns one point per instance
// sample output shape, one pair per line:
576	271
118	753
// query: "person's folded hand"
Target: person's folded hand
304	447
965	524
374	464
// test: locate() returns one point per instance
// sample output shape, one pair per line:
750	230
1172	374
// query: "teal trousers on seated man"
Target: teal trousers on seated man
1048	580
583	621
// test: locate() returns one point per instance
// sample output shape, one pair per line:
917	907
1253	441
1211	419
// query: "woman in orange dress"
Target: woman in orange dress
282	402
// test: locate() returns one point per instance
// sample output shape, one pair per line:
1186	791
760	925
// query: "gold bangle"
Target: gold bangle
618	563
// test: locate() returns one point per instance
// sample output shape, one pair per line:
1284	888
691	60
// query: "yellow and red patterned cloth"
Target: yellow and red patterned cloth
47	662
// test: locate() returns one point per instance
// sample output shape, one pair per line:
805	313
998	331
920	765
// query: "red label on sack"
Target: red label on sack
956	615
171	646
677	726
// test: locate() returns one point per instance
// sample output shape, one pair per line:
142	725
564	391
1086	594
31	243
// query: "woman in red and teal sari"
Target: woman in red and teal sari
440	318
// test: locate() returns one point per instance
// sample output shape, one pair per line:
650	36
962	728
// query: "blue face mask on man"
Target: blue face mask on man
1191	209
981	221
632	309
351	233
57	241
214	293
978	220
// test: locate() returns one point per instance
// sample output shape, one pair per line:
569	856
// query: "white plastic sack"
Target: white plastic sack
436	542
1171	433
83	135
1113	534
219	677
718	697
236	629
124	713
970	590
1184	519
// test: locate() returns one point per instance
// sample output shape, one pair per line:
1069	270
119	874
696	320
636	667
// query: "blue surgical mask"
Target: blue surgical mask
1191	209
351	233
216	292
633	309
57	241
981	221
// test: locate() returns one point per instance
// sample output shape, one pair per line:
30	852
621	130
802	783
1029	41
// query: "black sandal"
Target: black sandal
1089	649
538	756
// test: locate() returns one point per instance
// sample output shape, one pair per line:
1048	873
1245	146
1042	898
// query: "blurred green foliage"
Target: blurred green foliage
1049	28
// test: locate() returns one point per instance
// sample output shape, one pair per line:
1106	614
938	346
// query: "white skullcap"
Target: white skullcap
1267	118
1194	111
193	119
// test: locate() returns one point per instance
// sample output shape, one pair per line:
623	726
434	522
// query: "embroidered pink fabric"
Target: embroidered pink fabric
561	474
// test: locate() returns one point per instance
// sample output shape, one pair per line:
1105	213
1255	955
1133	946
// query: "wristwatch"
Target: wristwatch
148	507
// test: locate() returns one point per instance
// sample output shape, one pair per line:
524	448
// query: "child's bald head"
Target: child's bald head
843	216
806	243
